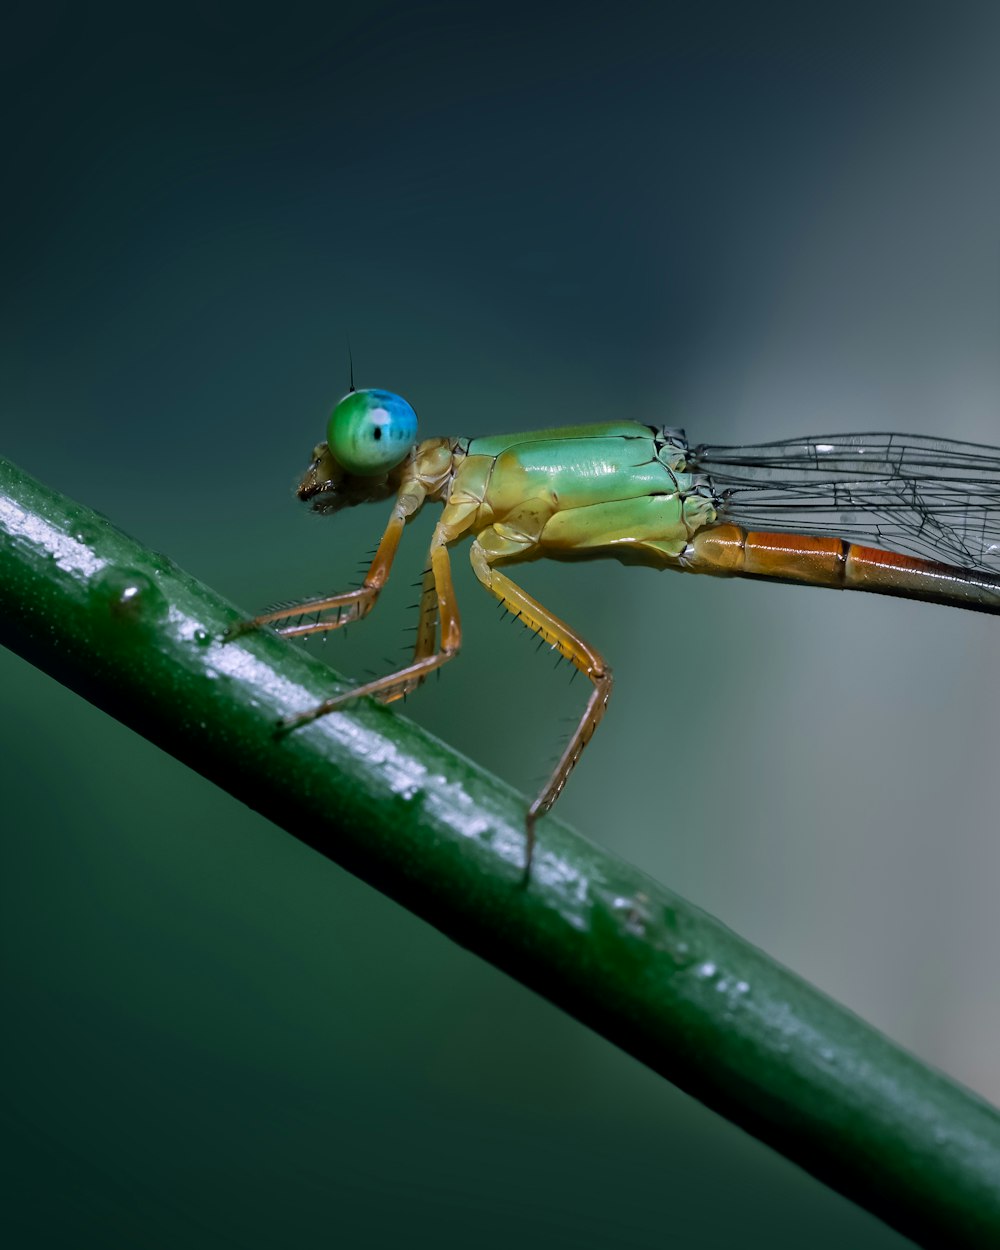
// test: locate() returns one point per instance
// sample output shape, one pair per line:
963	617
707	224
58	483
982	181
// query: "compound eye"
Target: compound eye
371	431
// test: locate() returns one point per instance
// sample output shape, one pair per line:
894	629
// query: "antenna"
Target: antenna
350	363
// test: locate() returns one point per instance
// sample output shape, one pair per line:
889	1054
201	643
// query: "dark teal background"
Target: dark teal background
752	220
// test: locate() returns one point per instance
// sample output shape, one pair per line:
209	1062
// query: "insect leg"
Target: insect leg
426	640
351	605
393	685
489	550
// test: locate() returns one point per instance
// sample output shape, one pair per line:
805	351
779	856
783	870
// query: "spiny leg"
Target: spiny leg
394	685
425	643
349	606
562	639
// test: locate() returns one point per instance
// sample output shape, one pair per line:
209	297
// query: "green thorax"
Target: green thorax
577	465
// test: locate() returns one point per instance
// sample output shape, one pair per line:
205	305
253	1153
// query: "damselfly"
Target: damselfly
894	514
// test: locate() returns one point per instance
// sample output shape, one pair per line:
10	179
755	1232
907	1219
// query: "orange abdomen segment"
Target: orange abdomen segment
728	550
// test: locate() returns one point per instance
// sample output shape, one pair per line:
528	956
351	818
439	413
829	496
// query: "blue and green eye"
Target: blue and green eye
371	431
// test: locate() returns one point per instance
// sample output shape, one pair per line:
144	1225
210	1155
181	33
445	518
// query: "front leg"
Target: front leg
349	606
394	685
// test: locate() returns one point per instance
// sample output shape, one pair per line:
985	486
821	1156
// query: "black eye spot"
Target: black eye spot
377	433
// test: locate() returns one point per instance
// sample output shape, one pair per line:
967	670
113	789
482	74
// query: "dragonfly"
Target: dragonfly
906	515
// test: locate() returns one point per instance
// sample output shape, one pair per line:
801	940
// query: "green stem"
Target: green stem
142	640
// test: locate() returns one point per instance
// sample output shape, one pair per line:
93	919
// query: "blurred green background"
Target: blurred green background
754	221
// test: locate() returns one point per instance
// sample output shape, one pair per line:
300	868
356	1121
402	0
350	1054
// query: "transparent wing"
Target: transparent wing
935	498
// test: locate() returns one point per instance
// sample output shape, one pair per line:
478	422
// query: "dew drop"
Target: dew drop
132	597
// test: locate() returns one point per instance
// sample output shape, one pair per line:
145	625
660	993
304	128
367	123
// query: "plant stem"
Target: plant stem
139	638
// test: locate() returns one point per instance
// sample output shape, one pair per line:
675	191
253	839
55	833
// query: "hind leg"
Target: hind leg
490	549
